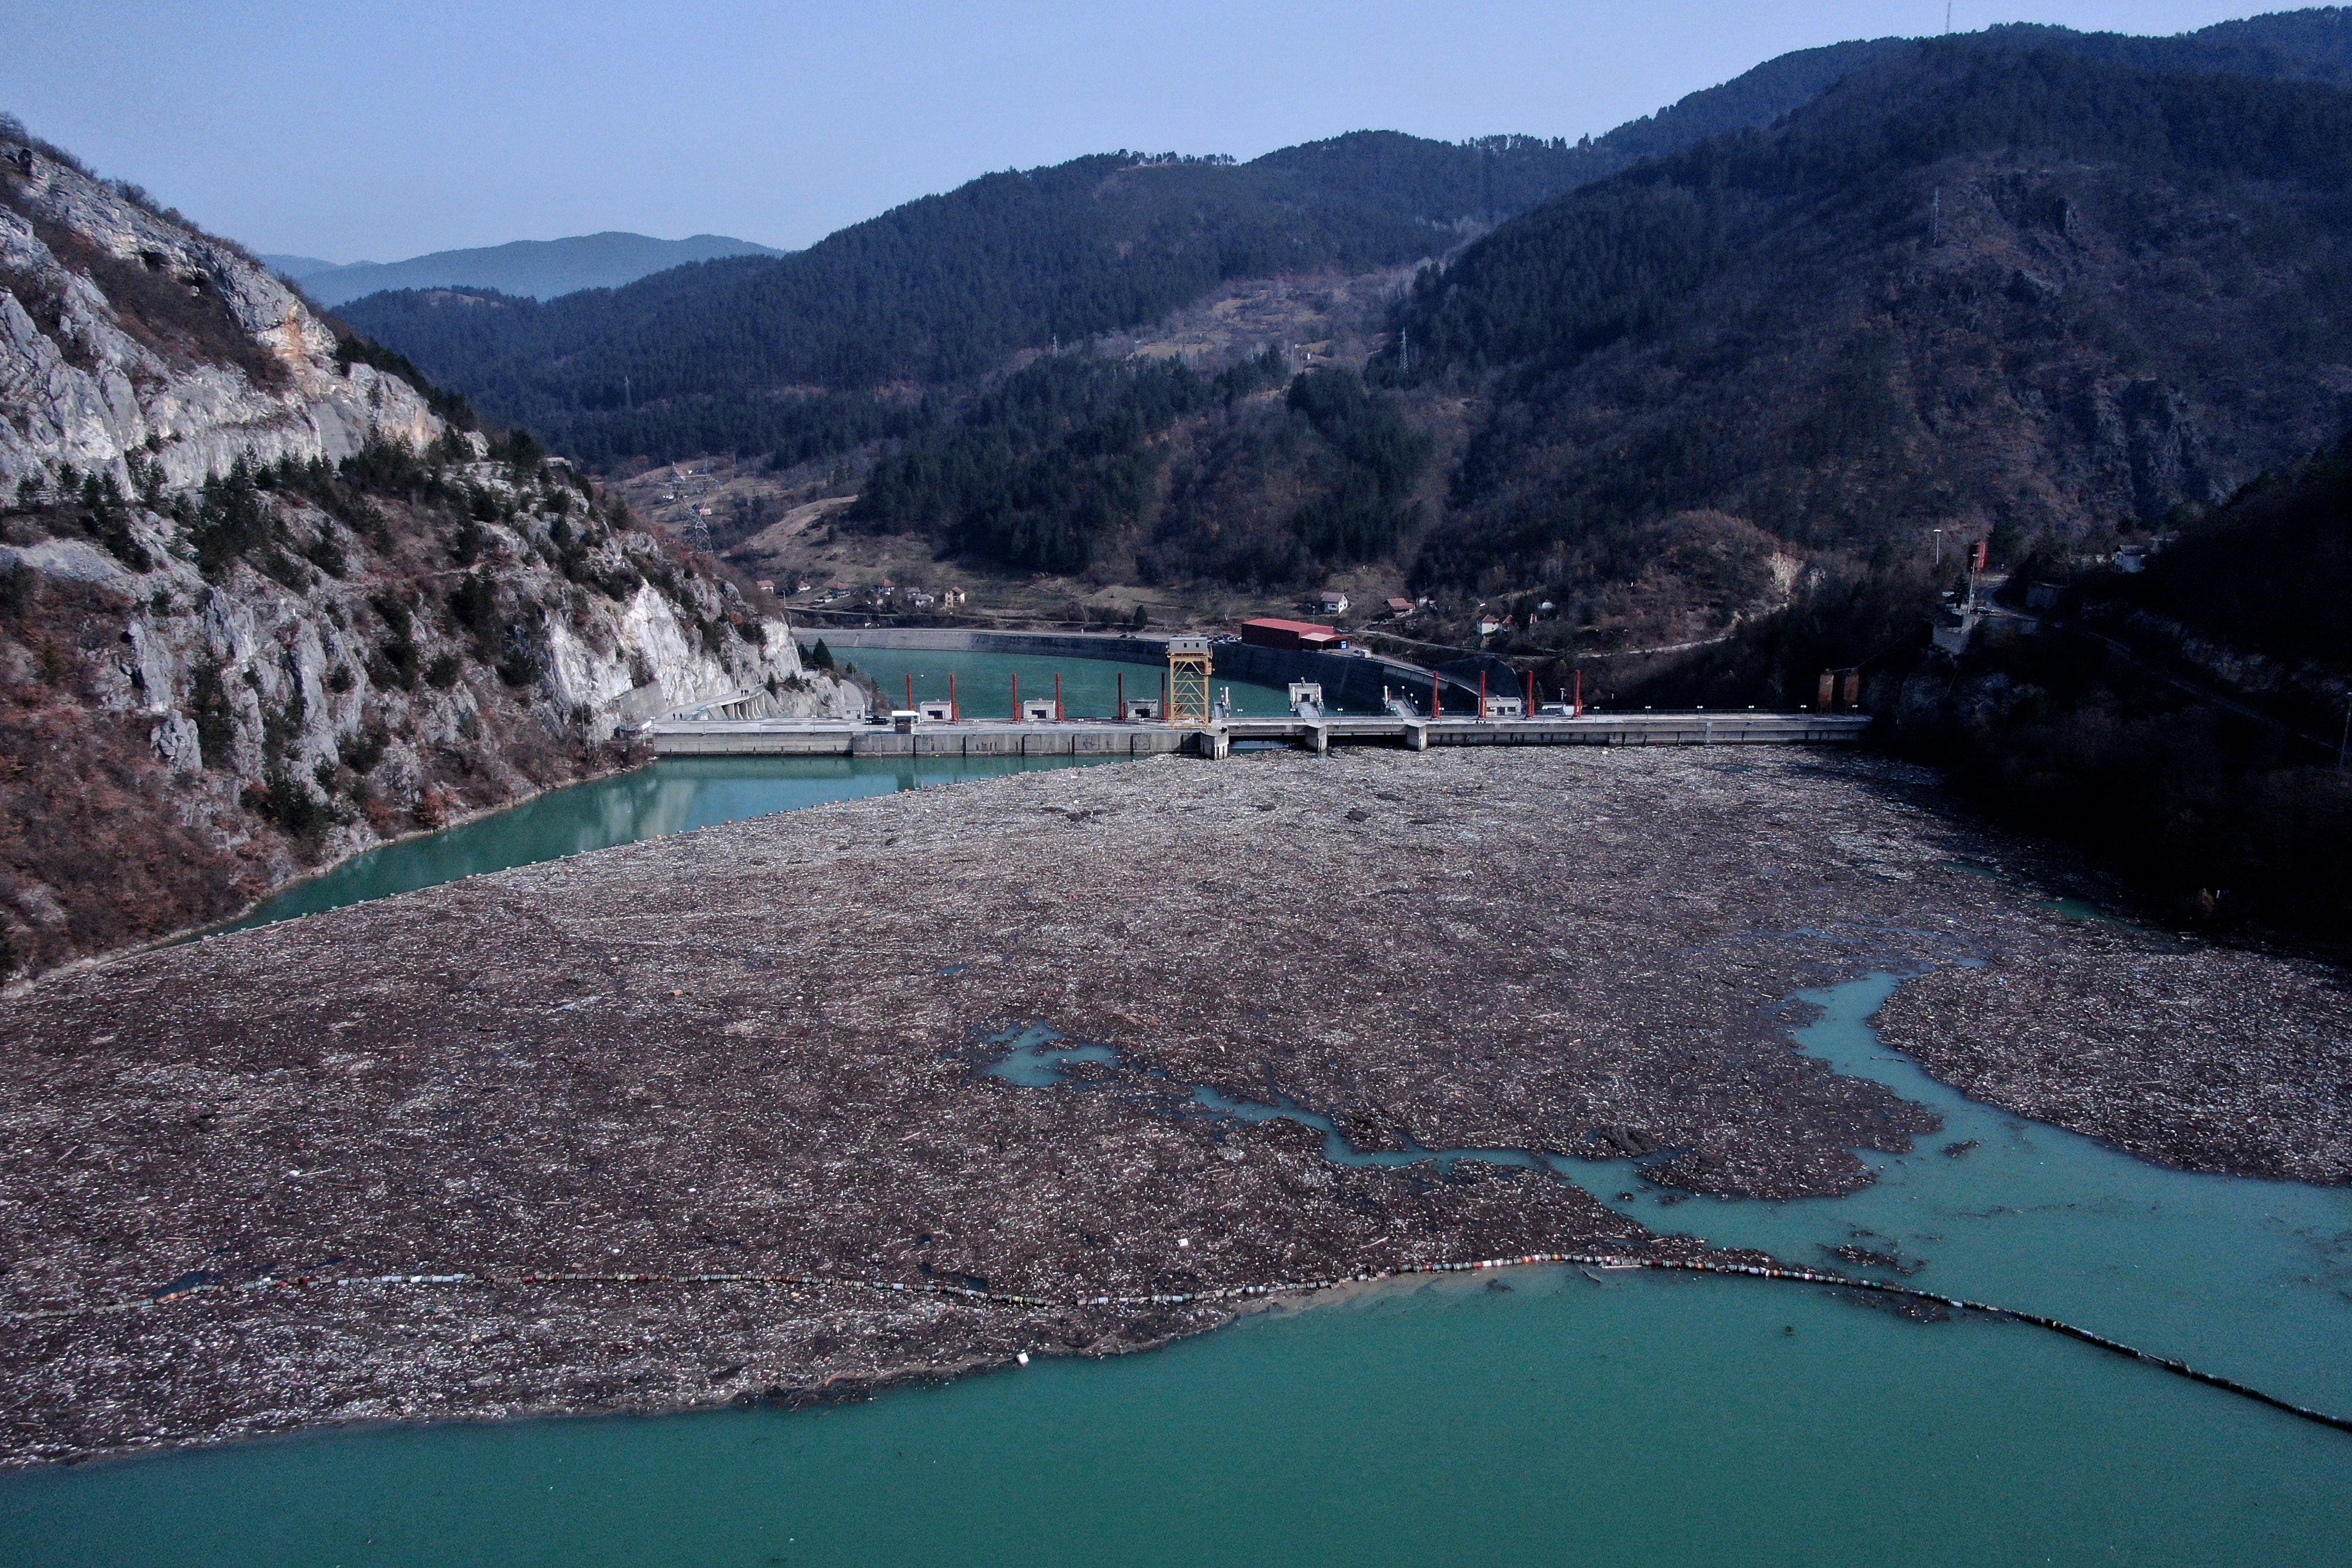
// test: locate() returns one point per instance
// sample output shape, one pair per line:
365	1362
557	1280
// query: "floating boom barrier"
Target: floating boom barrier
1220	1293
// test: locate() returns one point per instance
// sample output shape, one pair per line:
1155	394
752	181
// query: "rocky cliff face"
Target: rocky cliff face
124	332
262	607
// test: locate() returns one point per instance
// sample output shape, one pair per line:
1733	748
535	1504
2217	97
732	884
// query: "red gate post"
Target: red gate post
910	691
1579	704
1058	715
1436	702
1016	697
1528	709
1120	711
1482	694
954	712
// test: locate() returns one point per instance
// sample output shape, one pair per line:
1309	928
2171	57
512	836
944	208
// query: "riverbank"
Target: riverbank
764	1049
349	848
330	880
2208	1058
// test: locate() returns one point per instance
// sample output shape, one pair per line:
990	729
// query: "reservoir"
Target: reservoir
1090	688
1645	1421
1542	1414
680	794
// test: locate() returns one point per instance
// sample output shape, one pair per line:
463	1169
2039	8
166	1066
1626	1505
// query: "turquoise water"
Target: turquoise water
1540	1415
1639	1418
1090	688
1638	1421
2249	1278
673	795
678	795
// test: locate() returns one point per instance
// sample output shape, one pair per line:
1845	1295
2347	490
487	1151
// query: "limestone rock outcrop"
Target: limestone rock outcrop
264	604
94	379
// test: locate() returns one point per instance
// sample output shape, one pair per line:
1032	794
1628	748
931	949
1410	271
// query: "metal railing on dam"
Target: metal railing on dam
1106	737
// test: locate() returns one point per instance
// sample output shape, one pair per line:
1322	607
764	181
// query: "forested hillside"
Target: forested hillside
1062	462
2270	574
2010	284
726	353
1049	461
1985	285
727	356
2182	721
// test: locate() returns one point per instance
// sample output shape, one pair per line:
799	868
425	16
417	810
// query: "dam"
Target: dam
1110	738
1358	699
1357	681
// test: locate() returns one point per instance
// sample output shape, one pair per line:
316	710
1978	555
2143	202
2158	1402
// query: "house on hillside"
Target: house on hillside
1399	606
1334	602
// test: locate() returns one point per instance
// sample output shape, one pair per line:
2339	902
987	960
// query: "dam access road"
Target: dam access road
811	1044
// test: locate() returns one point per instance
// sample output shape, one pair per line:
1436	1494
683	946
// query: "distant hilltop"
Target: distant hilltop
542	269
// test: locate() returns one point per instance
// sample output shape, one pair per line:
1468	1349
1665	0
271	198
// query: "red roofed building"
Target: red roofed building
1312	636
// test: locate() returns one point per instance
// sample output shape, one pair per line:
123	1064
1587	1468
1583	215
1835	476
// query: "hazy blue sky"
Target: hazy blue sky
386	128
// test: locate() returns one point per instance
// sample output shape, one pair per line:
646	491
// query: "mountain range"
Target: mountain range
1703	407
1990	285
531	268
726	357
2030	278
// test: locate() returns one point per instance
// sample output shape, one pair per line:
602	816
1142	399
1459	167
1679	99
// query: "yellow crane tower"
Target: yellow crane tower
1188	682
